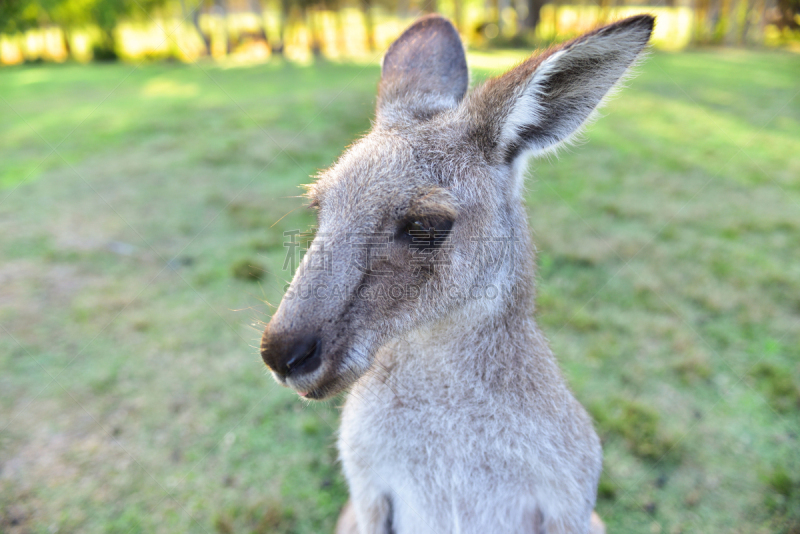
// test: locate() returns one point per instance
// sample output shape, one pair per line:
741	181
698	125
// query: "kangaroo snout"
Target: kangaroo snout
291	355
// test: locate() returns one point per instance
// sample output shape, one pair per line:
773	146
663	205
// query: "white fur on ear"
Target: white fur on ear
528	108
562	94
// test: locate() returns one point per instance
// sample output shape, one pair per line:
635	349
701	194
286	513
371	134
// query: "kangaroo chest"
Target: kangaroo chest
449	457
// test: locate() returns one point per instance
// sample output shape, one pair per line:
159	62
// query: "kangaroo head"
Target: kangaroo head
413	218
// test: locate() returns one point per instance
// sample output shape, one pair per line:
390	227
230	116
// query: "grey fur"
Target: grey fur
457	418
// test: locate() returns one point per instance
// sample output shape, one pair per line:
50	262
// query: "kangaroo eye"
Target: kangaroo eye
415	227
425	233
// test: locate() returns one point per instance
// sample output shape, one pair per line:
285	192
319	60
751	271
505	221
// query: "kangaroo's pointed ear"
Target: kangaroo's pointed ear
546	100
424	71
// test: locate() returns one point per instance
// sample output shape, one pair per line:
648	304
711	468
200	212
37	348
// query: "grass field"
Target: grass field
132	396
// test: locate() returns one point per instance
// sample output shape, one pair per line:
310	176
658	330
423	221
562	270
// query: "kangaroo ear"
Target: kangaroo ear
424	71
548	98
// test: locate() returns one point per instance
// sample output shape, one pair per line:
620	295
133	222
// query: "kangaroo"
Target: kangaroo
417	295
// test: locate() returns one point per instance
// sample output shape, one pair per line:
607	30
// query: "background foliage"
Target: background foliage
189	29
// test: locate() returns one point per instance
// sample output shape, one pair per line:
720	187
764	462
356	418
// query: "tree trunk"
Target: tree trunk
716	19
313	29
195	16
106	49
533	17
280	48
732	29
369	24
67	45
255	7
762	22
744	17
222	9
700	9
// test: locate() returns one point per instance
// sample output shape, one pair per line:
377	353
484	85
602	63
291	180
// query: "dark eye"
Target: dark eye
415	227
425	233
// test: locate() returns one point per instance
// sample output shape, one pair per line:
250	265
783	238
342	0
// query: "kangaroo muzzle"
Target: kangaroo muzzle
291	355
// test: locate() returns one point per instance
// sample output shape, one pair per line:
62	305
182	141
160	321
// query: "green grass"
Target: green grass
137	258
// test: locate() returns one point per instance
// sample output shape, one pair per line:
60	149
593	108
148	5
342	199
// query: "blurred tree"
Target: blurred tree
258	12
105	14
67	15
193	14
309	10
724	22
369	24
251	34
285	16
219	9
788	14
19	15
534	15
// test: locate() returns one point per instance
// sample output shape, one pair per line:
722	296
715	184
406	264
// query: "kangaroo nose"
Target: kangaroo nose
297	356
